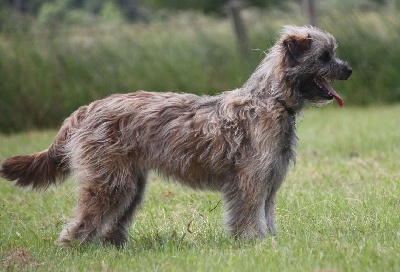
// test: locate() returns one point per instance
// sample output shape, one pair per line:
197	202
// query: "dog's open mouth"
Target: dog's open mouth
324	87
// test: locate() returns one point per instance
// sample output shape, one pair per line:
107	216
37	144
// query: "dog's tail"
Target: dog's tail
37	170
42	169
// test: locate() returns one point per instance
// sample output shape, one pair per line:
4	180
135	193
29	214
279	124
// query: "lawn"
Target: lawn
337	211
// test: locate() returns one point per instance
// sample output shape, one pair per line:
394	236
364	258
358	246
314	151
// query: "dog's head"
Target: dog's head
310	62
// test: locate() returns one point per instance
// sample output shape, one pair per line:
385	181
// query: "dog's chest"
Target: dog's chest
277	139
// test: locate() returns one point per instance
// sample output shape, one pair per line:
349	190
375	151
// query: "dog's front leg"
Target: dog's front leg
273	183
270	211
244	203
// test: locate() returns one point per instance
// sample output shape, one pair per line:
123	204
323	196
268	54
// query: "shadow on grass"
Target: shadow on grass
170	241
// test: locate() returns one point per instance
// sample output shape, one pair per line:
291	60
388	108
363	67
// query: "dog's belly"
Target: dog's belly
204	166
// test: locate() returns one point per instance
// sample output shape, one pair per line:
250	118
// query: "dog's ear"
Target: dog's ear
297	45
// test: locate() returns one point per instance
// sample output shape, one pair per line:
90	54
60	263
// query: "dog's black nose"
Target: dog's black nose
349	70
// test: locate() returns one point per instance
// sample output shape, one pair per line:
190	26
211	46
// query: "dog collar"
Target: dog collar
291	111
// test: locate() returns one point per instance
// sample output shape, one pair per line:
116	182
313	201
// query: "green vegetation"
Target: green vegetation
48	73
337	211
131	10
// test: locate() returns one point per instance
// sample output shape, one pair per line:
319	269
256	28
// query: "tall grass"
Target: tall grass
46	78
46	74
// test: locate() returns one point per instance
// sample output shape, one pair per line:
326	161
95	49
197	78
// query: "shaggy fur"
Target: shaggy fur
239	143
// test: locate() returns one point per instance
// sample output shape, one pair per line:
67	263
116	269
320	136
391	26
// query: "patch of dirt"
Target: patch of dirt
18	258
167	194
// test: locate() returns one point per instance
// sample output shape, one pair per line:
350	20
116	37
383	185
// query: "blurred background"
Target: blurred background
56	55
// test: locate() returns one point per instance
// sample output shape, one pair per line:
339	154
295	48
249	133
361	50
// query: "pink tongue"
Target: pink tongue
331	91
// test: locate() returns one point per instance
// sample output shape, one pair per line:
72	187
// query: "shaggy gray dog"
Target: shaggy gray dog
239	143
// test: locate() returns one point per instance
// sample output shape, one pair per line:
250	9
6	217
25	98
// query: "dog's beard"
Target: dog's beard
321	104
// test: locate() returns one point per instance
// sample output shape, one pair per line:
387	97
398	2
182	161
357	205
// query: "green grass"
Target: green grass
337	211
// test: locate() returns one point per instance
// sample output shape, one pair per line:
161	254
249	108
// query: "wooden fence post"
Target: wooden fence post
234	8
310	10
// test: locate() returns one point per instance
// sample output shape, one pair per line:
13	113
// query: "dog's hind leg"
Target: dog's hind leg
115	231
108	198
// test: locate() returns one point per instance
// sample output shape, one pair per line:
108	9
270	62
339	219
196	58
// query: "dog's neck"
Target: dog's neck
290	111
268	82
281	94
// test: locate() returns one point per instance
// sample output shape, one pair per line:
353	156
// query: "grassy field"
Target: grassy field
337	211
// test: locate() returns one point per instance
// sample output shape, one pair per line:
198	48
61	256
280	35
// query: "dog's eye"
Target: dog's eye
325	57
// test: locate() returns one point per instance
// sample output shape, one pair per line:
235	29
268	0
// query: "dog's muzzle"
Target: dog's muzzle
345	72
